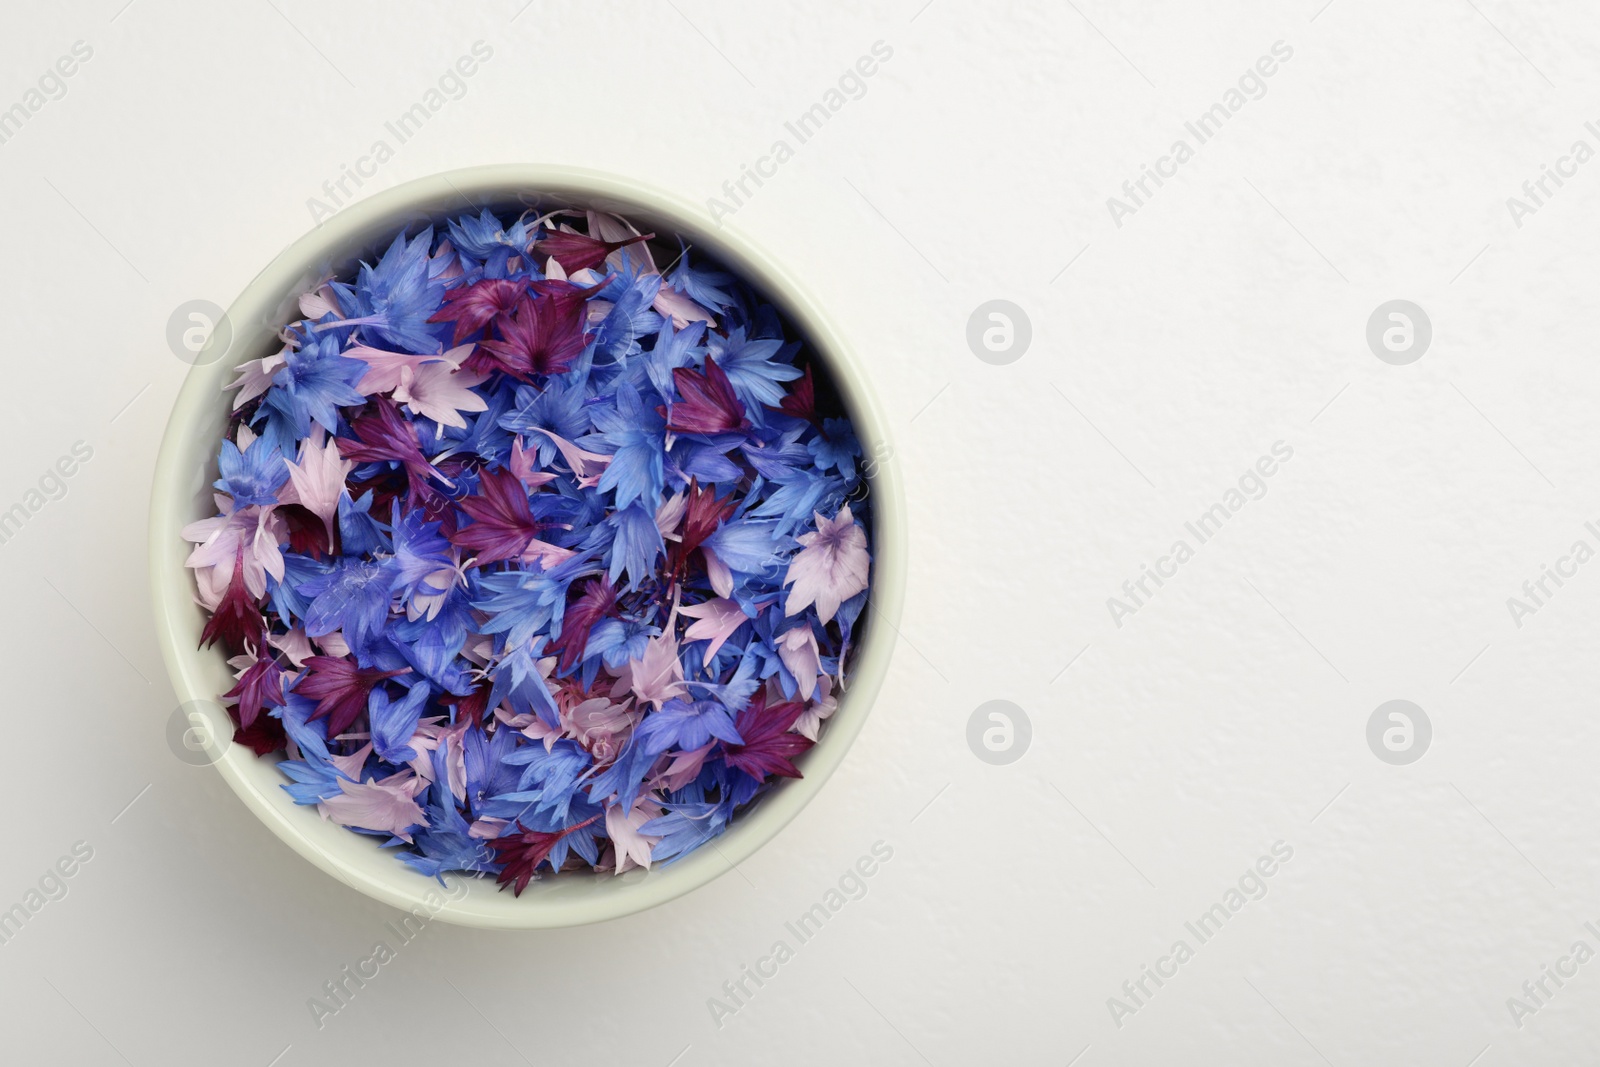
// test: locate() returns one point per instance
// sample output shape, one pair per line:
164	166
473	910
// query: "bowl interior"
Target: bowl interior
182	494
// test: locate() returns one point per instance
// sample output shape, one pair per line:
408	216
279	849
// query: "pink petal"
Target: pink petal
717	619
384	368
717	571
587	466
440	392
669	516
387	806
318	480
522	465
658	674
319	302
254	377
547	555
831	568
350	766
633	848
295	646
798	650
611	228
680	308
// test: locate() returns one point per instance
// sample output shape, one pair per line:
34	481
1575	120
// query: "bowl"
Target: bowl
181	494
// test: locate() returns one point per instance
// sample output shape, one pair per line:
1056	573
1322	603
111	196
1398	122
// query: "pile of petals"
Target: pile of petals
530	554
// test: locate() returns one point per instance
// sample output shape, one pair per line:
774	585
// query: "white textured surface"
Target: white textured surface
1220	318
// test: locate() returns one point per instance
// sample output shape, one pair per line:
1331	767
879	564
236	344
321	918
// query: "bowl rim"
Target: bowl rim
254	317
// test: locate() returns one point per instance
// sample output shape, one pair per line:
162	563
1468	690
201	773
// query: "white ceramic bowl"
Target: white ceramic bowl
187	466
